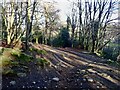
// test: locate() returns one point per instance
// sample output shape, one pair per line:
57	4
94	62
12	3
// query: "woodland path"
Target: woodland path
73	69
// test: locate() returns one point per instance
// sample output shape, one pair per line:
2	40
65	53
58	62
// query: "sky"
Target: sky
64	6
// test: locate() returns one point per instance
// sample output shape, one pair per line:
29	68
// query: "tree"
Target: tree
51	21
73	23
12	19
94	16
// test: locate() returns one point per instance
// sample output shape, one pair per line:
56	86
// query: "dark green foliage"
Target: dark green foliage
75	43
114	63
111	52
56	42
63	39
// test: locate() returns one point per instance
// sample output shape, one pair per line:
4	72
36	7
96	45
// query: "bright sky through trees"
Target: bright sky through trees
65	6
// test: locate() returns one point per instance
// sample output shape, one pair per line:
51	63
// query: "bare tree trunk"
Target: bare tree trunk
29	20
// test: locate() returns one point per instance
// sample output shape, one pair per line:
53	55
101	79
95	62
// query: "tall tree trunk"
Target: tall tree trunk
29	20
27	25
93	45
80	23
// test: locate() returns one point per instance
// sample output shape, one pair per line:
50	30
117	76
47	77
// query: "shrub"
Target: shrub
111	52
56	42
63	39
75	43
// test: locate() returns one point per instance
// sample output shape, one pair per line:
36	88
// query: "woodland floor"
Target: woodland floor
74	69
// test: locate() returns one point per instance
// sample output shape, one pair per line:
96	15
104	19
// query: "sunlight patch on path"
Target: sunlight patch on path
104	67
75	60
105	75
79	59
63	62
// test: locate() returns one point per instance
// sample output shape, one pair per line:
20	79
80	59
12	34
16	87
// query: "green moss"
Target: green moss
13	57
9	72
13	60
37	50
41	52
4	61
42	62
14	63
15	52
1	50
32	49
7	49
24	58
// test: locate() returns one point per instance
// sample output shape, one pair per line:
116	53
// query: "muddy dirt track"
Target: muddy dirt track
69	69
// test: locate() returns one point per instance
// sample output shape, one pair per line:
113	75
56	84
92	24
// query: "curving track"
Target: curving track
96	73
74	69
